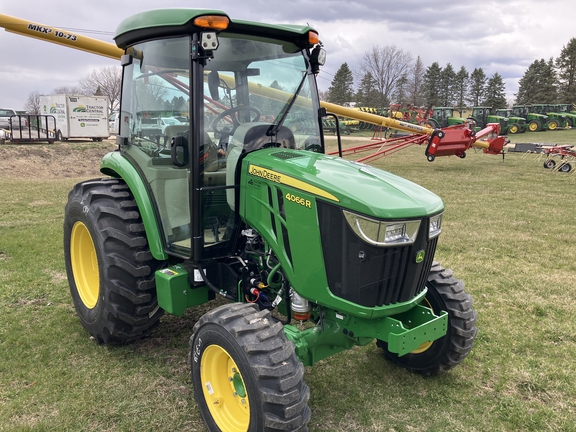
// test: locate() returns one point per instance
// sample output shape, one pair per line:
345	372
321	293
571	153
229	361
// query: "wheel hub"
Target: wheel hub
84	265
224	390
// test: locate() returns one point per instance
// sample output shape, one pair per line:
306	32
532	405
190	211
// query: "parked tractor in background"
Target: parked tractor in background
565	109
536	122
515	124
555	119
482	115
443	117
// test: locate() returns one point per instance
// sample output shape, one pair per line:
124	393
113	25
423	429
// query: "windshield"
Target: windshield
251	88
270	80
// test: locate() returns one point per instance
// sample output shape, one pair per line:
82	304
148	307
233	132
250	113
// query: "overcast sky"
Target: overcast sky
503	36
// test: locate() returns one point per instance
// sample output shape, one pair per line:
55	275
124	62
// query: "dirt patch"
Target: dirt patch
69	159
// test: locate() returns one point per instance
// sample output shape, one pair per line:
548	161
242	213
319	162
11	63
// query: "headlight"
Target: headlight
435	226
382	233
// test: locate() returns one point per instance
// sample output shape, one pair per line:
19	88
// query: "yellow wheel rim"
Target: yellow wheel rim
224	390
84	265
425	345
533	127
514	129
552	126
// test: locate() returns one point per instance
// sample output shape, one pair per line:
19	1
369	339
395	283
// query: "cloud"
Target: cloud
503	36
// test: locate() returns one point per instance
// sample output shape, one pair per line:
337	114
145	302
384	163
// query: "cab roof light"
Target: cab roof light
214	22
313	37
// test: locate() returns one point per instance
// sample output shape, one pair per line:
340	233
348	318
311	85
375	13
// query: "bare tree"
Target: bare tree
415	81
106	81
72	90
323	95
32	105
387	64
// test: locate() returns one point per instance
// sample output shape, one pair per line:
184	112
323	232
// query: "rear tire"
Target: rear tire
534	126
565	167
445	292
108	261
245	373
553	124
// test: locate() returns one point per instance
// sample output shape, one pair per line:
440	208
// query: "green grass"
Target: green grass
508	232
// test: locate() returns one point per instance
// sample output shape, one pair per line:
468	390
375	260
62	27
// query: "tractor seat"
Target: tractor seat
174	131
253	136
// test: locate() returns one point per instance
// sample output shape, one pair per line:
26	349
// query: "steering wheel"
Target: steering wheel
233	114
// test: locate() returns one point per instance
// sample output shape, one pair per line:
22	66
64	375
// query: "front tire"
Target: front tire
108	261
445	292
245	373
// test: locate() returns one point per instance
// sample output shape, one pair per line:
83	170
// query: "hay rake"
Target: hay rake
566	155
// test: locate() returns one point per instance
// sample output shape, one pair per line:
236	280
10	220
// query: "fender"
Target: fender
115	165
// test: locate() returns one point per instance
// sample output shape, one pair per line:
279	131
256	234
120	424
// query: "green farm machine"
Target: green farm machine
556	119
443	117
536	121
482	115
515	124
566	110
309	254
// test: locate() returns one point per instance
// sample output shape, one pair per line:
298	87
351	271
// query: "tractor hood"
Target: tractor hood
348	184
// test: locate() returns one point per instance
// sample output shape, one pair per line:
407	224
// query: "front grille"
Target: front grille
369	275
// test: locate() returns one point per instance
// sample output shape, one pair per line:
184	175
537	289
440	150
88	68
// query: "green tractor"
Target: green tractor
309	254
443	117
482	115
565	110
555	119
515	124
536	122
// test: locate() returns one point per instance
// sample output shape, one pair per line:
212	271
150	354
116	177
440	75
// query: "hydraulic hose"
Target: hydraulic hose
212	287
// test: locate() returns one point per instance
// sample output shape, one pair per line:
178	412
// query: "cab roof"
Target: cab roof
159	23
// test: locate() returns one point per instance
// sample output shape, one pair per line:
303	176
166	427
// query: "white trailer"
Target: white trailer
77	116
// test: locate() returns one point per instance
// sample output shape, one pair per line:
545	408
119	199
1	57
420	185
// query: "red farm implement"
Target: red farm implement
450	141
566	156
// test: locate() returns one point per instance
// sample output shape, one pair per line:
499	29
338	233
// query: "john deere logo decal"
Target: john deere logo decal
420	256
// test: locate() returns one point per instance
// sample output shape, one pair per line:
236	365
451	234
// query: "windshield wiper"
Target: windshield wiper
284	113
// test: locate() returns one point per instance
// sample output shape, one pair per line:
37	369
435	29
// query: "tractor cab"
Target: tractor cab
246	86
443	117
482	116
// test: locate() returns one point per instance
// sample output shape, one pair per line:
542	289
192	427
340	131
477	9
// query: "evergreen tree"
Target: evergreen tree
538	85
431	84
415	81
367	94
566	69
549	83
400	94
447	80
495	94
341	91
461	88
476	86
527	85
